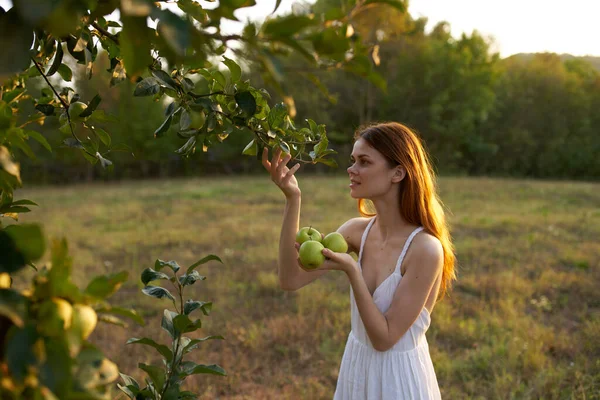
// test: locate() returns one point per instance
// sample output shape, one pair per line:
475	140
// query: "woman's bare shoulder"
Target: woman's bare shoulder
352	231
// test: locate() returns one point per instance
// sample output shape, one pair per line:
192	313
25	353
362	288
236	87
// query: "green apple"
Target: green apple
335	242
75	109
54	316
84	320
198	119
311	254
308	233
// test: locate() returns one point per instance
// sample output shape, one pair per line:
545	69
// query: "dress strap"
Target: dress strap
405	249
364	238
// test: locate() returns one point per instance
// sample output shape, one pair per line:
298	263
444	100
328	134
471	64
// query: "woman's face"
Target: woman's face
369	172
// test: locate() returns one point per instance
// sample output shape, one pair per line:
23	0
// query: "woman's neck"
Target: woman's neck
389	220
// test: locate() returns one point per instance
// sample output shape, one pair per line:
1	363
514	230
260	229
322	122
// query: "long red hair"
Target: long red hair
419	200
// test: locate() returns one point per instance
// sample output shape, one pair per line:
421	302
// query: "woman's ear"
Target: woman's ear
399	174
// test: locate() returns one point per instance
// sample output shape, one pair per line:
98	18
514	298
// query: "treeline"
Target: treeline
534	115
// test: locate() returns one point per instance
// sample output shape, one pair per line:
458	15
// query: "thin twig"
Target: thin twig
64	104
105	32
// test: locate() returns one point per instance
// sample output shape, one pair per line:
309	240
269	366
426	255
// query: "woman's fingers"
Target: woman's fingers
290	173
275	159
265	159
281	168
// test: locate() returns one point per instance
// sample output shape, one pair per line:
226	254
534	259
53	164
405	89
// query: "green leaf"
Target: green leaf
20	245
102	135
160	264
147	87
193	9
251	148
158	292
46	109
149	275
174	30
188	147
91	106
284	147
20	349
119	74
220	79
101	116
167	323
185	120
24	202
13	306
234	68
206	369
164	127
103	286
156	374
188	84
246	102
161	348
288	25
129	381
164	79
313	126
191	305
11	95
55	372
327	161
65	72
135	44
210	257
277	115
40	139
57	59
397	4
111	319
195	343
321	146
16	39
190	279
378	80
123	312
183	324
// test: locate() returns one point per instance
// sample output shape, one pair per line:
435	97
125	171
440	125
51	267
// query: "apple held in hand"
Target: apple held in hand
335	242
311	254
308	233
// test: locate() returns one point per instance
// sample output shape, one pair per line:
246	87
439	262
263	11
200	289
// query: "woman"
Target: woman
405	263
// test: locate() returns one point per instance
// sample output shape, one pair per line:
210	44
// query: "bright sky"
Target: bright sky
517	26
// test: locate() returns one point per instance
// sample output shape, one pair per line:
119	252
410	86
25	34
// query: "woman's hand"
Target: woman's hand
334	261
281	175
339	261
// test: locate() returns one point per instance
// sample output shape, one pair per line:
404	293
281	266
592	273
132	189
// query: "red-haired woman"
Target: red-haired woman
405	262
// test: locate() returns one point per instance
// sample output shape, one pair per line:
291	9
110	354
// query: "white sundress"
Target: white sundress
403	372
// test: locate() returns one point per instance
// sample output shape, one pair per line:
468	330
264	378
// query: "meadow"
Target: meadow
522	321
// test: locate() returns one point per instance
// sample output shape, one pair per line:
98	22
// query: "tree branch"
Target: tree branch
64	104
105	32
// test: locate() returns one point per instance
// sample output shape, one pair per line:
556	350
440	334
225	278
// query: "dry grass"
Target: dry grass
522	322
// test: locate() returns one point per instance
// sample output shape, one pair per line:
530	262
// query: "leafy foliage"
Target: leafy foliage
43	330
164	382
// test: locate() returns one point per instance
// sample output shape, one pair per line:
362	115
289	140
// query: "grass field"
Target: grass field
523	320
